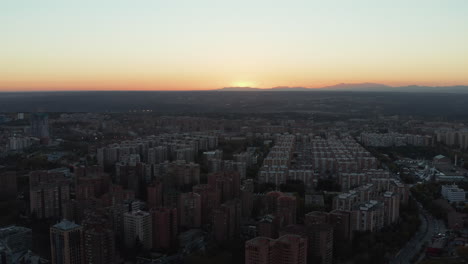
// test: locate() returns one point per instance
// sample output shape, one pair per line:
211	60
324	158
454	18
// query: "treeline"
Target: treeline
426	194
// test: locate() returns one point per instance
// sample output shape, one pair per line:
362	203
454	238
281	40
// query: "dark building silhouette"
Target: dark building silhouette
8	186
189	210
226	224
288	249
48	193
67	243
99	245
154	195
164	227
40	127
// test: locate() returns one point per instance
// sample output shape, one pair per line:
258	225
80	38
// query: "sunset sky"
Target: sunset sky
201	44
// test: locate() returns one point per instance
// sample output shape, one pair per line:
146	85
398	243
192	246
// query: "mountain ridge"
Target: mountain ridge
364	87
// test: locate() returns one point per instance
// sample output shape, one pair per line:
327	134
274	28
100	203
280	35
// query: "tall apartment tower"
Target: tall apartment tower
286	210
391	207
48	194
189	210
164	227
8	188
154	196
247	200
67	243
99	245
319	238
320	242
288	249
138	227
226	221
207	196
226	185
40	126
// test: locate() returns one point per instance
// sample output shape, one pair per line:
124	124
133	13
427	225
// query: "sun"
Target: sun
243	84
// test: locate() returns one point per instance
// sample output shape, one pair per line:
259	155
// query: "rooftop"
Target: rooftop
259	241
66	225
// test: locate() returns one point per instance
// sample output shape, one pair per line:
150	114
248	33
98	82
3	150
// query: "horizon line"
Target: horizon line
226	88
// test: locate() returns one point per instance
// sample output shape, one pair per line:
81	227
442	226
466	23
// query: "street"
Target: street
429	227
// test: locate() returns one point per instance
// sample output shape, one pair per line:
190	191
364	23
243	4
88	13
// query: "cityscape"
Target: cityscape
149	188
234	132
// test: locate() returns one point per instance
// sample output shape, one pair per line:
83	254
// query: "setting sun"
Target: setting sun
243	84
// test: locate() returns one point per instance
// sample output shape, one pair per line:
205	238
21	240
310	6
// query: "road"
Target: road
429	227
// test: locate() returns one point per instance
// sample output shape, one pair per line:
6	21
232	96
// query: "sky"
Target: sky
209	44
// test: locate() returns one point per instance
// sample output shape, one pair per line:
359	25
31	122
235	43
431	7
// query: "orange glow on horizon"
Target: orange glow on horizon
92	78
181	85
68	78
13	86
204	45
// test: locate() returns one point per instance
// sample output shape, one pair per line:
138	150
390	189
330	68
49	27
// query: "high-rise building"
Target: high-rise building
8	187
84	191
316	217
226	222
129	177
391	207
271	199
164	227
99	245
40	126
368	216
99	238
286	210
178	173
93	180
67	243
340	220
154	194
226	185
138	229
207	196
20	143
247	198
282	205
74	210
268	226
292	249
49	193
157	155
453	194
189	210
319	240
171	198
288	249
342	227
260	250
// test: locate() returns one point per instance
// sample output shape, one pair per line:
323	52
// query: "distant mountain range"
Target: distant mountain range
358	87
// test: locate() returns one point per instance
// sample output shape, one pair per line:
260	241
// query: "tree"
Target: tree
295	186
328	184
264	187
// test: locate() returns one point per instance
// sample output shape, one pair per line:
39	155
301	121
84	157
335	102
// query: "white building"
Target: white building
137	224
453	194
